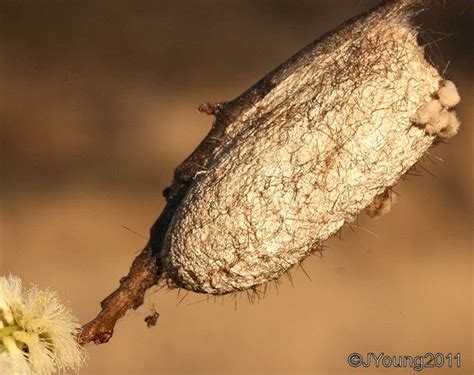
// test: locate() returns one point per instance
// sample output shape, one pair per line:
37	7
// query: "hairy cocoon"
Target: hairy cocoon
298	163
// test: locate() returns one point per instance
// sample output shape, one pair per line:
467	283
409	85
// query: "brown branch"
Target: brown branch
144	273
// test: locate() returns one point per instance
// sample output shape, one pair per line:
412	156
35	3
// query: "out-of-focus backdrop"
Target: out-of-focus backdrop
97	107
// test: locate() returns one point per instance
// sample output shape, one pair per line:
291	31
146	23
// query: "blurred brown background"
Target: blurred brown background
97	106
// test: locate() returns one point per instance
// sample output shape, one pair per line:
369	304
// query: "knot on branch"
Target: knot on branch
210	108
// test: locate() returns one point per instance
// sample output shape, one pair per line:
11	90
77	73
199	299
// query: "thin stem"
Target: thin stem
144	273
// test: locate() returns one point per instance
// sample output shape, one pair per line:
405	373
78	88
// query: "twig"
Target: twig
144	273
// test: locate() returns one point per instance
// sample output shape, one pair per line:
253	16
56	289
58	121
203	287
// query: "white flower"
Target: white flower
37	333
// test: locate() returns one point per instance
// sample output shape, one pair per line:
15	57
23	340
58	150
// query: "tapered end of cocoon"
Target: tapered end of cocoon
407	3
405	6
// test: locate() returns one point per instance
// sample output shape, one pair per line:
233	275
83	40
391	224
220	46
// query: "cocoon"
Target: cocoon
305	150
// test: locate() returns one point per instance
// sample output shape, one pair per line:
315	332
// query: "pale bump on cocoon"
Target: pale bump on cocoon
427	112
381	205
444	125
448	94
452	128
332	135
435	116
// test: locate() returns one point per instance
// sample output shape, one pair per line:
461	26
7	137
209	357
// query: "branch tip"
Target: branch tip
144	274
